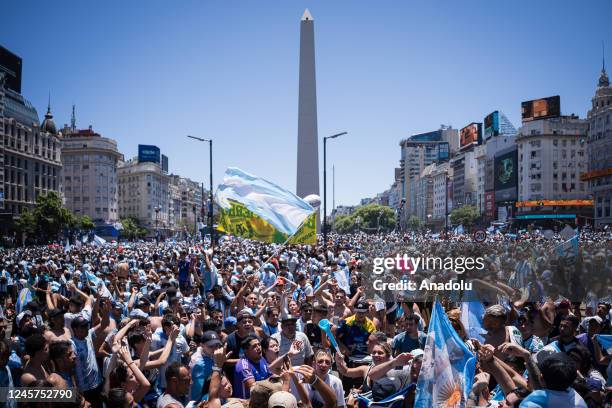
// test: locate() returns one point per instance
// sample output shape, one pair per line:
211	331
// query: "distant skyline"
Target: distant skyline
152	72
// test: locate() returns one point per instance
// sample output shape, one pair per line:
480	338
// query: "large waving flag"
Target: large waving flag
23	298
606	342
471	317
448	366
254	208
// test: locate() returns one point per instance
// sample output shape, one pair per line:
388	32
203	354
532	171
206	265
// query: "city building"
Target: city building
30	151
144	194
599	175
441	175
89	174
465	179
191	209
552	155
417	152
424	193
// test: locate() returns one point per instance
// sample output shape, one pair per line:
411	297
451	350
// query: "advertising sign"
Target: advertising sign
148	153
506	176
10	64
490	204
470	135
491	125
443	151
541	108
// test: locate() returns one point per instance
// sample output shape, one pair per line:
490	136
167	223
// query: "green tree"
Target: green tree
26	223
132	229
415	223
86	223
465	215
375	217
51	216
344	224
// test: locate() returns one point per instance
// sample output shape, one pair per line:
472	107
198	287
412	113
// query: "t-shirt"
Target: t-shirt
285	345
249	370
69	317
87	373
336	385
553	399
355	335
403	343
183	268
200	371
313	332
168	399
181	346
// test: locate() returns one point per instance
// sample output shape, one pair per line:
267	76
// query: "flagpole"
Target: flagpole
287	240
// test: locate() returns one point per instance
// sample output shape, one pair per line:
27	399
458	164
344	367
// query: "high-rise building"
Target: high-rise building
417	152
442	174
30	152
89	174
190	208
552	155
308	139
599	175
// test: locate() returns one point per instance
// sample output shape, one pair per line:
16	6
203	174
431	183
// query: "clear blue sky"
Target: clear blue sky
154	71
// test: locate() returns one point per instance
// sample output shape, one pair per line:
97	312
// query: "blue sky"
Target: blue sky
151	72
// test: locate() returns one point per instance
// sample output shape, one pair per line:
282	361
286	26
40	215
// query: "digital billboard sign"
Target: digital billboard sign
11	65
506	176
541	108
491	125
470	135
148	153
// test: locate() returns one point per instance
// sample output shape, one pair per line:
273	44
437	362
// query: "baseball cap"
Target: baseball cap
282	399
385	387
138	313
320	307
211	338
262	390
288	317
243	314
229	321
21	315
361	307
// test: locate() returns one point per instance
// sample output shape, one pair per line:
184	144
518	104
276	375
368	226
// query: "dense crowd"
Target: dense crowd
178	324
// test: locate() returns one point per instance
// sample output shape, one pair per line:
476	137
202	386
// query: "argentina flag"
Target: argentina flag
606	342
23	298
471	317
448	366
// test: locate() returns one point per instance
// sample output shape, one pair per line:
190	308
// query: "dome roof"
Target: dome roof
48	125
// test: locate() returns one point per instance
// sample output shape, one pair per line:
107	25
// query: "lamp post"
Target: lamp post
446	205
157	208
210	208
325	183
195	224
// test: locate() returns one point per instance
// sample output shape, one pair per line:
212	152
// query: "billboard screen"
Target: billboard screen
506	176
164	162
11	65
470	135
491	125
147	153
541	108
443	151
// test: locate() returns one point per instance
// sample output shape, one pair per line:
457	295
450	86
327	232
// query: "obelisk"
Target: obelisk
308	140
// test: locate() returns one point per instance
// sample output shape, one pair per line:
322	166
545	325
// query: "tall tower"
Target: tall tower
308	139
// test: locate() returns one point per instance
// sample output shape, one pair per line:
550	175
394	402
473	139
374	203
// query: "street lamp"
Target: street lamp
195	224
157	208
210	209
325	183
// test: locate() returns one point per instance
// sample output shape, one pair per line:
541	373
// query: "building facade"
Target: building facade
441	175
599	175
144	195
30	151
552	155
89	174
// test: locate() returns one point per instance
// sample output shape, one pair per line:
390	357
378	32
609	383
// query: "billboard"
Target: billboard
470	135
491	125
443	151
148	153
11	65
164	163
506	176
541	108
490	204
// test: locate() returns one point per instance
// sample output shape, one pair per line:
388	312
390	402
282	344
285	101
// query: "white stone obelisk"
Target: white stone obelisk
308	139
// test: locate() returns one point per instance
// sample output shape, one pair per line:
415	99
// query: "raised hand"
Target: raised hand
307	372
296	348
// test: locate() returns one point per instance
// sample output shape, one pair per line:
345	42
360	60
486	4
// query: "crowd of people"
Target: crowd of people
177	324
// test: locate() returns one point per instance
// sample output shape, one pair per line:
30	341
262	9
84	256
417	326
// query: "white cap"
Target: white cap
282	399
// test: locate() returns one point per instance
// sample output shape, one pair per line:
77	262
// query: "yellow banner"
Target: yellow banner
238	220
307	233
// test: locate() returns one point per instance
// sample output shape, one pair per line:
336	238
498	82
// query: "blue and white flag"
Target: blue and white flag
24	296
99	241
606	342
471	317
343	284
448	366
568	249
209	276
67	247
97	282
